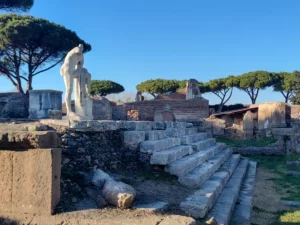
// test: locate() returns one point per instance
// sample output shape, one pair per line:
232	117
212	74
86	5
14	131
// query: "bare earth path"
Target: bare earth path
267	200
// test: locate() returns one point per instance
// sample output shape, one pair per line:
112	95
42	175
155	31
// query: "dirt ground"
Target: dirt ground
267	205
150	187
156	186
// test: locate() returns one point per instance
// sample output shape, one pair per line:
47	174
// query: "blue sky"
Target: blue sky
136	40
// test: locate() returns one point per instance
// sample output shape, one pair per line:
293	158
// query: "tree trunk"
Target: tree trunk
220	107
19	86
286	99
29	84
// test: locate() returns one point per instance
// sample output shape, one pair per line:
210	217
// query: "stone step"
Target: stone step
225	204
175	132
242	211
200	174
201	201
189	139
13	140
164	157
158	145
200	145
188	163
154	135
132	139
192	130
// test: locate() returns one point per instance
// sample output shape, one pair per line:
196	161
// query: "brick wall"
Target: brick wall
184	110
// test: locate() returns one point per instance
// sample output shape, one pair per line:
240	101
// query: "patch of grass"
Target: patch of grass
247	143
289	218
259	210
289	185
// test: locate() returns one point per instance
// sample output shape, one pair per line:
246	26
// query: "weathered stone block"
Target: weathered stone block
248	120
158	126
188	139
169	155
189	131
153	146
152	207
175	132
201	145
183	166
144	125
155	135
41	101
33	139
132	139
283	131
273	114
36	181
6	177
199	175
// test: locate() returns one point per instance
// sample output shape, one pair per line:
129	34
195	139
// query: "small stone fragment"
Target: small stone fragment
152	207
212	221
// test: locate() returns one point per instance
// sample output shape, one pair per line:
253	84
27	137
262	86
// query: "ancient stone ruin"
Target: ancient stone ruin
188	106
102	155
192	89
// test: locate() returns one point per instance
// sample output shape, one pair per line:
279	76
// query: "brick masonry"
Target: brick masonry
184	110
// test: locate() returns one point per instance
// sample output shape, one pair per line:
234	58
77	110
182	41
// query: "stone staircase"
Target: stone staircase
220	179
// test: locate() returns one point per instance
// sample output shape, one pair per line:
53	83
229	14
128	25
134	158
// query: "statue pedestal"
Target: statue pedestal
85	110
79	118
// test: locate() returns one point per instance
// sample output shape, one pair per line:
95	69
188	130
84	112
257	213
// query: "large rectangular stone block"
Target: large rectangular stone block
273	115
6	176
30	181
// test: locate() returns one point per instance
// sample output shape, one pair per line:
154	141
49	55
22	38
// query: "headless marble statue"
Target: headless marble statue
71	70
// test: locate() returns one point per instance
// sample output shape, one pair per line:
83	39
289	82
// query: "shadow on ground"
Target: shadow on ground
6	221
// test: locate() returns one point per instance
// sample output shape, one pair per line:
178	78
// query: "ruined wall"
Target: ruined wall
102	109
184	110
273	114
41	101
295	111
13	105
